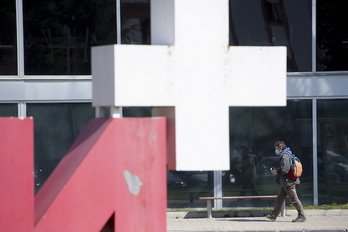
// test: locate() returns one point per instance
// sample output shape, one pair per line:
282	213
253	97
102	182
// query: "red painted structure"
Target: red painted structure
16	174
98	179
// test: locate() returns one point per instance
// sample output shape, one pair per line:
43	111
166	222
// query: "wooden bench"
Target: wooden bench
209	199
191	193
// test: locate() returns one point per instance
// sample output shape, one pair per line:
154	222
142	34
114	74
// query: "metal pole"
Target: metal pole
217	189
118	21
314	36
315	152
119	38
283	210
20	38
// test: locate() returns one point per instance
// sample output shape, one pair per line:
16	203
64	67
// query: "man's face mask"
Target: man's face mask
277	152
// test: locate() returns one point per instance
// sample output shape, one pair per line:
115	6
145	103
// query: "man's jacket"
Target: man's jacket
283	168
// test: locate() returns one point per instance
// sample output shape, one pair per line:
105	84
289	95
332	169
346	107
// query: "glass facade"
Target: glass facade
259	129
58	35
8	110
57	39
333	151
275	23
184	188
56	126
332	37
8	38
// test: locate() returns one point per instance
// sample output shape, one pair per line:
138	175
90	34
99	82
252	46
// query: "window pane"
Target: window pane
274	23
58	35
333	151
135	21
8	110
56	126
332	36
8	47
185	188
259	128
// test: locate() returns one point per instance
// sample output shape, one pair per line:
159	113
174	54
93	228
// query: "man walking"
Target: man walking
287	185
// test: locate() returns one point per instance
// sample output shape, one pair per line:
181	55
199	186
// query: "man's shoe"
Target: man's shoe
271	217
300	219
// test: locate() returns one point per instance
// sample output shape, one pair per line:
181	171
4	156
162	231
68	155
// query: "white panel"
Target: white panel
58	90
201	109
313	86
162	22
42	90
257	76
12	90
200	76
144	75
103	73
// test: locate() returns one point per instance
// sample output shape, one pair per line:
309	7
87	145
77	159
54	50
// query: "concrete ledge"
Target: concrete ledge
325	230
251	213
218	214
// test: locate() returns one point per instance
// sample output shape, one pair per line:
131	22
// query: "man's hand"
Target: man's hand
274	172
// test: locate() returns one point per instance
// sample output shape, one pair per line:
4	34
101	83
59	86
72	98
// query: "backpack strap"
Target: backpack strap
292	165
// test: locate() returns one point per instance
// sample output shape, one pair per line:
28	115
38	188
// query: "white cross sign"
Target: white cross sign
192	76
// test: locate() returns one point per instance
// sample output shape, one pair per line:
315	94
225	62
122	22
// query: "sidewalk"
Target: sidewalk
317	220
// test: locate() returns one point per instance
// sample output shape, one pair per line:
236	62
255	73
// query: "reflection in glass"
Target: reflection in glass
185	188
58	35
333	151
135	21
258	129
274	23
332	36
8	46
56	126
